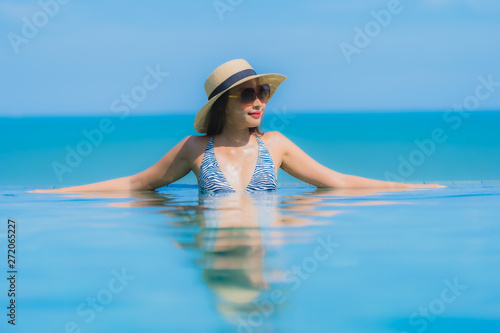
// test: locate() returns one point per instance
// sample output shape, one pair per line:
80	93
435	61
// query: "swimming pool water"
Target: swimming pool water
297	260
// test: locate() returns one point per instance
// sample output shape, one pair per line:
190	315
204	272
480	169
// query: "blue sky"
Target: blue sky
86	55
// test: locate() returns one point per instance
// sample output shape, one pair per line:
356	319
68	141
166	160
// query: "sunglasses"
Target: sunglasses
248	95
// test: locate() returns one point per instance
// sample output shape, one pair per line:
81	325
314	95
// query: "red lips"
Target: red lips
255	114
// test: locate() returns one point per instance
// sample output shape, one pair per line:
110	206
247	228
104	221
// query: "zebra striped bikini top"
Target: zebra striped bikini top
212	179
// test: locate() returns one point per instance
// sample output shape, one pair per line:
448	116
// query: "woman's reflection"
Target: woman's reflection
233	231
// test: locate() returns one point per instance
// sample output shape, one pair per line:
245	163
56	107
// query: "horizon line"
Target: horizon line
191	113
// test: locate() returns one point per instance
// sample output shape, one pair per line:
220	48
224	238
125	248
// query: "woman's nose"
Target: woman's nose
257	102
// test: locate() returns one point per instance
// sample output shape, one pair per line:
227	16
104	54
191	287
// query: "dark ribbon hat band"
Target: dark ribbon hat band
232	80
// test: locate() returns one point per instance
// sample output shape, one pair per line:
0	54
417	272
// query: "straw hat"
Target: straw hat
227	76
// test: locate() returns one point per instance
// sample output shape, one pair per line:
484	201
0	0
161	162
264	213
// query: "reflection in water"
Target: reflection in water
232	232
232	242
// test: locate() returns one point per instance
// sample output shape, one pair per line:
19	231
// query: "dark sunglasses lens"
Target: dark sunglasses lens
264	92
247	96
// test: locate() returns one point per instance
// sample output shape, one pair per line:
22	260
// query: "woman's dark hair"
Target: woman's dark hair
217	117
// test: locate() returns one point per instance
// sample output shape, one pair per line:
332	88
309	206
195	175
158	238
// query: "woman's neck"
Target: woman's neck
234	136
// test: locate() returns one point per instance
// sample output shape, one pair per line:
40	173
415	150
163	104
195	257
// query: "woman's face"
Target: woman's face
244	116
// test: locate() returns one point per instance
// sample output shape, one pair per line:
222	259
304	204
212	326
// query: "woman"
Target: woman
247	159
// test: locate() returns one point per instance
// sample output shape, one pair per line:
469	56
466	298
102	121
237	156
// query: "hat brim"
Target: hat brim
272	79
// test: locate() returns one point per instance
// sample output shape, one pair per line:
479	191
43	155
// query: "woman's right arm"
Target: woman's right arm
170	168
300	165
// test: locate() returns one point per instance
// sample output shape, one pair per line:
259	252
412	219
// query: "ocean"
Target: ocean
412	146
299	259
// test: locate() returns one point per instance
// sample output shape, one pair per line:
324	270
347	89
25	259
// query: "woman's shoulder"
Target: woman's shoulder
198	137
273	137
195	141
281	143
192	145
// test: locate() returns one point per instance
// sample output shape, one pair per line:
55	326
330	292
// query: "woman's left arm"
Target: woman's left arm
300	165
